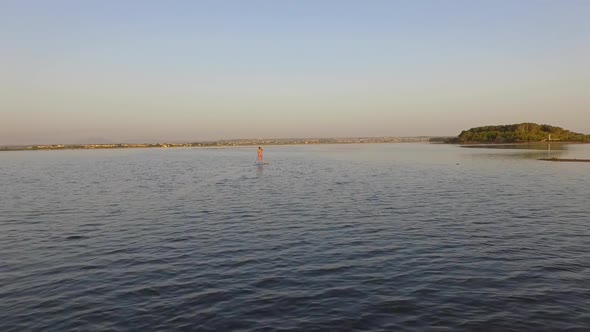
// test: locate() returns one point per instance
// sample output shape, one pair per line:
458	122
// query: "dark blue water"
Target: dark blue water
331	237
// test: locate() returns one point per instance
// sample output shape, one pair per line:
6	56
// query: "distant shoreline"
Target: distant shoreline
526	132
221	143
566	160
268	142
519	143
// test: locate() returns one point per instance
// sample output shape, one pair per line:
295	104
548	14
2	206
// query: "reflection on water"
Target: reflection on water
531	151
536	146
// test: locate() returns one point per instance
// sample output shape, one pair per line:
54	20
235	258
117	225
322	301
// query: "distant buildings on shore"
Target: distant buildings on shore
233	142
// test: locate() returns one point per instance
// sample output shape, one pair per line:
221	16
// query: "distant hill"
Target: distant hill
518	133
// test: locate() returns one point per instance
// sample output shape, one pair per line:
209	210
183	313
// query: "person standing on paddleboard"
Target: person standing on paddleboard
259	154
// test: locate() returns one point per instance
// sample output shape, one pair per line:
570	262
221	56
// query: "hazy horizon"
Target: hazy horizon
140	71
103	140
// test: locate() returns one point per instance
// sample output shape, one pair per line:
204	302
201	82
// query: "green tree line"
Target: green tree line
518	133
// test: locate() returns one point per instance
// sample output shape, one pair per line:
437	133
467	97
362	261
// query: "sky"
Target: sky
145	71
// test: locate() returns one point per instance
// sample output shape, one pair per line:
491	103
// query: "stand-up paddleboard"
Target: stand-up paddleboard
259	163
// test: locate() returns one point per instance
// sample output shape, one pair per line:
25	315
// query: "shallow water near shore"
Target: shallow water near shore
384	237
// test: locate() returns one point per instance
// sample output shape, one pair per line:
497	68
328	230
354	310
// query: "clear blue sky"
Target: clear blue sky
77	71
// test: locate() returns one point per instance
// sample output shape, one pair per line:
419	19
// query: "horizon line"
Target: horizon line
108	142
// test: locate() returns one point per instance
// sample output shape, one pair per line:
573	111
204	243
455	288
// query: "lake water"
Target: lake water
383	237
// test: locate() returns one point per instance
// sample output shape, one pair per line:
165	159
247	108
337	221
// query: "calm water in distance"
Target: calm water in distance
383	237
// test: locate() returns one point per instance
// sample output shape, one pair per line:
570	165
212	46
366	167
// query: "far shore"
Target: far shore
518	143
566	160
221	144
268	142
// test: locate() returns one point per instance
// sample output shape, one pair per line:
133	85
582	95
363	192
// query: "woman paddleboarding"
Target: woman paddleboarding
259	155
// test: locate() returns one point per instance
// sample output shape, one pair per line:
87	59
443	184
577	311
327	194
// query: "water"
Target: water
328	237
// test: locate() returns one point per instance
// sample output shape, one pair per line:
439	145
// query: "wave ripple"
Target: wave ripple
326	238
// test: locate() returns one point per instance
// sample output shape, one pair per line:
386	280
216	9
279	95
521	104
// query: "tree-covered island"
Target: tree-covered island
517	133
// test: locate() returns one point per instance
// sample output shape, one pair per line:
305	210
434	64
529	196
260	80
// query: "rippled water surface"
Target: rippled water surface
328	237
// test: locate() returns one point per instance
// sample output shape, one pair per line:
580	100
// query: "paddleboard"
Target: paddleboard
261	163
